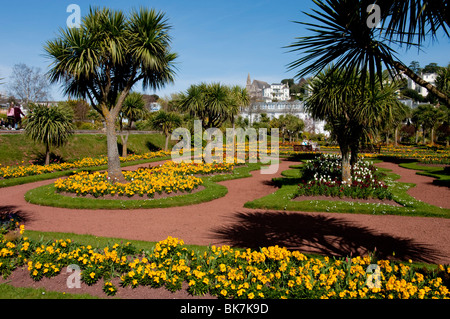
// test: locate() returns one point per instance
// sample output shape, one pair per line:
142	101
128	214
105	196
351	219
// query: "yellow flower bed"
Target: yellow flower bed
141	182
28	170
167	178
271	272
194	168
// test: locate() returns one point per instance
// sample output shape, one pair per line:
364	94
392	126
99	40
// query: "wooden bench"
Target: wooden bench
303	148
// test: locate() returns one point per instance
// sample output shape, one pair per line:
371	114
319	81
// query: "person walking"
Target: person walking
18	116
10	119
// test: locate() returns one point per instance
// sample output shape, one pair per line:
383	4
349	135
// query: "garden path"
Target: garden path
225	221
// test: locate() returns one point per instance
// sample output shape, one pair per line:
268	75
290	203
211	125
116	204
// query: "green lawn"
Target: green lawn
15	148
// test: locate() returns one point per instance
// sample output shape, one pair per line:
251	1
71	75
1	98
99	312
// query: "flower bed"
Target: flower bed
322	176
7	172
194	168
272	272
168	178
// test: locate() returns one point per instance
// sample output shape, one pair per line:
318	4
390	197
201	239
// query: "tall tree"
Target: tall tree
351	110
29	84
133	109
51	126
212	103
342	35
103	59
167	122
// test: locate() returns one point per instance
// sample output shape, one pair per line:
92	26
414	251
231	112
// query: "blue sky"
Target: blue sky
220	41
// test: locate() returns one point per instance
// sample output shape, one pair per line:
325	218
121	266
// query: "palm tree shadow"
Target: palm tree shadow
9	212
318	234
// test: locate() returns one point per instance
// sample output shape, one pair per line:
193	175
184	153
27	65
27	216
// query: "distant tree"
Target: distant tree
293	125
412	94
240	101
29	84
415	67
166	122
133	110
80	109
429	116
212	103
431	68
51	126
290	82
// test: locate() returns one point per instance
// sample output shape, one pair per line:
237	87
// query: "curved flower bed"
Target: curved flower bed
168	178
272	272
322	176
141	182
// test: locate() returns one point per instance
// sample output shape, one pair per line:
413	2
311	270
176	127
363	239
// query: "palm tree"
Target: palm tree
167	122
51	126
212	103
241	100
103	59
353	112
133	109
342	36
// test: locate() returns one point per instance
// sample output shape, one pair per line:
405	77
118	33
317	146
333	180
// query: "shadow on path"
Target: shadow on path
317	234
8	212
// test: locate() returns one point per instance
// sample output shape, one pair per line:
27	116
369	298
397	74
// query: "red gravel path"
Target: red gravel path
225	221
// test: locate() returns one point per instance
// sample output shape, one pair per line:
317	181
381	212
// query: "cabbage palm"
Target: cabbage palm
167	122
240	99
103	59
51	126
341	36
212	103
351	110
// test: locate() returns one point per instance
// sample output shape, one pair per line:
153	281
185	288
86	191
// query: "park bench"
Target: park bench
303	148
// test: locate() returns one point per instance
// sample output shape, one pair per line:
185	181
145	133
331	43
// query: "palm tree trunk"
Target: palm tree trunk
47	154
114	170
124	139
432	136
418	80
346	167
395	136
166	146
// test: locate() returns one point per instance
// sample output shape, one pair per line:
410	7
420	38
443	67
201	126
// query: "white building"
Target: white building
276	109
429	77
265	92
276	92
